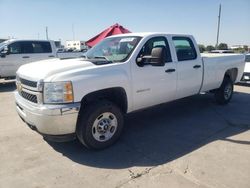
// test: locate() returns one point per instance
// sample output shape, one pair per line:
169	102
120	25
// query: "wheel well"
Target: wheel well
232	74
116	95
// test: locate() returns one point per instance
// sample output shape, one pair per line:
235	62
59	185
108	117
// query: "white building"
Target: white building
76	45
233	47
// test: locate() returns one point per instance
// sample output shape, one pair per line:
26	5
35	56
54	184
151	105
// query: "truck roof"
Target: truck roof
38	40
144	34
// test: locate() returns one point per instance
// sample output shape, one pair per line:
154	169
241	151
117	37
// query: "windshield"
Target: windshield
115	49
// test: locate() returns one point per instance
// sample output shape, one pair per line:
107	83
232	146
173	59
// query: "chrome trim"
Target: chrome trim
40	85
37	91
28	87
48	119
28	91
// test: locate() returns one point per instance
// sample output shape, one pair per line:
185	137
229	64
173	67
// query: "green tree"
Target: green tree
222	46
202	48
210	48
239	50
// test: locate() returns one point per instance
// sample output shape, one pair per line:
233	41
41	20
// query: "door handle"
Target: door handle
51	56
196	66
170	70
26	56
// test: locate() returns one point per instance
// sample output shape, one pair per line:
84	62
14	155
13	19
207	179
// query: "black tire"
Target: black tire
87	121
223	95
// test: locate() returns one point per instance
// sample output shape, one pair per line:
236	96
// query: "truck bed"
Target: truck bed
215	65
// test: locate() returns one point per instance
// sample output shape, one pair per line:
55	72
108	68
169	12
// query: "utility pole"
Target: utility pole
218	28
47	35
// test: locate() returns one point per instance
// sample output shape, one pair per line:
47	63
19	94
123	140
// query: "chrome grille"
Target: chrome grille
28	82
28	96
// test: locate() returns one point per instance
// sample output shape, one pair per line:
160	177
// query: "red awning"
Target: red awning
112	30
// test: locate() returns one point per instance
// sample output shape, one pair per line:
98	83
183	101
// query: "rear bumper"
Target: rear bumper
245	78
52	121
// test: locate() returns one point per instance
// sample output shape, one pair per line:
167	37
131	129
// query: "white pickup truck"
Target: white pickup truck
15	53
86	98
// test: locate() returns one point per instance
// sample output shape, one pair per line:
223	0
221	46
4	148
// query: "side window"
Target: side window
41	47
155	42
247	58
15	48
26	47
185	49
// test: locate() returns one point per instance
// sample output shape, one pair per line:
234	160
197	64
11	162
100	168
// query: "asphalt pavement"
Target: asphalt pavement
192	142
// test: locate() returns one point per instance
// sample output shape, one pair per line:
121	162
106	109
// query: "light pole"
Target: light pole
47	35
218	28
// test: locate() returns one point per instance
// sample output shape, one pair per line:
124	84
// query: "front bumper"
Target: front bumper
48	120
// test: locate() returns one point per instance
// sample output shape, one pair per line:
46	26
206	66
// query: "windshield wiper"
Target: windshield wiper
100	57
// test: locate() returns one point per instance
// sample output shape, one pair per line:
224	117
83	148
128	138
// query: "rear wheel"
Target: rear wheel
100	125
224	94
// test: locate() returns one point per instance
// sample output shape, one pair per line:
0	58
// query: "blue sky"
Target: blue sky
28	18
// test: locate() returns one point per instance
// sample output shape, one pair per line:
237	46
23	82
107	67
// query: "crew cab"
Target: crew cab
15	52
86	98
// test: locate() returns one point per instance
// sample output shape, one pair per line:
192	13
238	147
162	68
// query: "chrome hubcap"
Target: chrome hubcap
104	127
228	91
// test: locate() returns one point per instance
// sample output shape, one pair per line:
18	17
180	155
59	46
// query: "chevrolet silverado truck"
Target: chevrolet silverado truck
87	98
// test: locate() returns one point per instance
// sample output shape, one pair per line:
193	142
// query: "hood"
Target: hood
45	68
247	67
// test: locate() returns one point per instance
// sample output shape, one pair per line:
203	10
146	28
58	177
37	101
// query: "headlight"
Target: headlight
58	92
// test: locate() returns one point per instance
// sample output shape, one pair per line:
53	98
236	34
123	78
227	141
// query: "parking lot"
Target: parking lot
186	143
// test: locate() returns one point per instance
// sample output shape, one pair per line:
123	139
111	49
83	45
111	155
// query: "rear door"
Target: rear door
153	84
189	66
41	50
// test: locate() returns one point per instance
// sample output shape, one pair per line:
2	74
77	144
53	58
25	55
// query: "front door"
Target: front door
14	58
23	52
153	84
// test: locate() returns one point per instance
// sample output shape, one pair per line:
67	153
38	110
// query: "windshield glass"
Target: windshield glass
115	49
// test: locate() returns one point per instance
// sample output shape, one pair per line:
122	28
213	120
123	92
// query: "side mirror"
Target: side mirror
4	52
157	57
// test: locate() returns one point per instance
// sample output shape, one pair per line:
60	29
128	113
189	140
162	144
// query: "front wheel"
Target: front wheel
100	125
224	94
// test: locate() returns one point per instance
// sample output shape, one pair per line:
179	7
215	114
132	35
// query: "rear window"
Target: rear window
41	47
185	49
